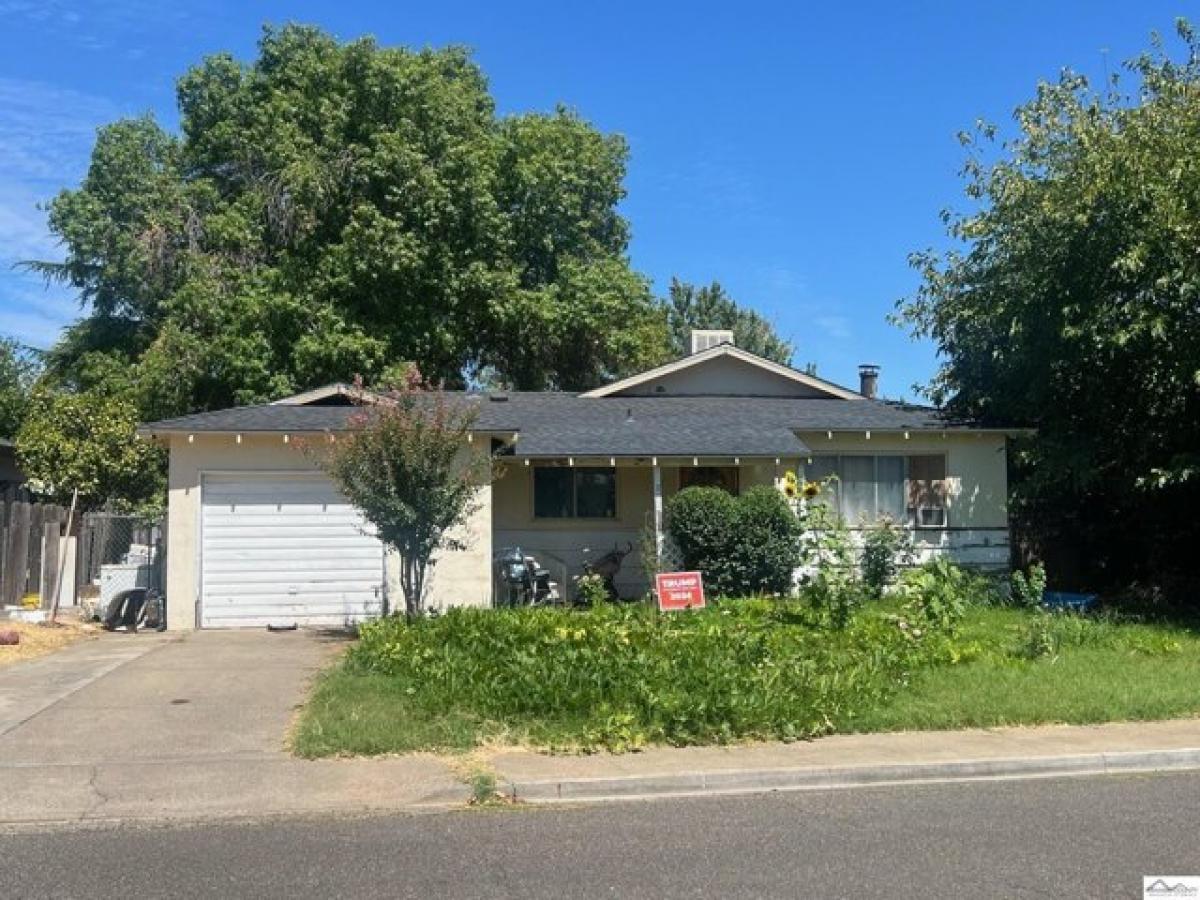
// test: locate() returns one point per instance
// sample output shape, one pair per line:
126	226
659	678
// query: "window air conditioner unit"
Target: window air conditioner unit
931	517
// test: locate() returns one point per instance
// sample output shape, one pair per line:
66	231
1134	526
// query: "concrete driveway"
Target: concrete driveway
203	695
162	725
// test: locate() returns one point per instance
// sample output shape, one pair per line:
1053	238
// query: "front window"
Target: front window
581	492
866	488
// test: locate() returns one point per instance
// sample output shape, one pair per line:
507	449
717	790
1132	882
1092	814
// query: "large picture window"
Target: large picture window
581	492
866	489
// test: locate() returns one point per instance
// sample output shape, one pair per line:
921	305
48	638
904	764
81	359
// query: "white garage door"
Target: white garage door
278	549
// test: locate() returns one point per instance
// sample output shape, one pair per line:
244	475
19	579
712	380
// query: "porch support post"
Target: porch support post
658	509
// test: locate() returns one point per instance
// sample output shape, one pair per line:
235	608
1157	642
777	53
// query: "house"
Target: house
257	535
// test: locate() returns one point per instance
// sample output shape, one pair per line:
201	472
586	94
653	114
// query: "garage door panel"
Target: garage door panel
320	558
282	549
288	580
287	517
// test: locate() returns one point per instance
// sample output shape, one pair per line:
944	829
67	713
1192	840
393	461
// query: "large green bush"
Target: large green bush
620	676
746	545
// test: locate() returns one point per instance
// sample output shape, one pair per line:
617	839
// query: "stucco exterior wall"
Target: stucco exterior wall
459	578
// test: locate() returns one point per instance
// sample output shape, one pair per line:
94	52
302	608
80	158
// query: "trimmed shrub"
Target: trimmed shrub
700	522
743	545
765	543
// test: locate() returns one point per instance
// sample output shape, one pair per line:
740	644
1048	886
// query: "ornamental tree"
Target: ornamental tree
406	464
87	443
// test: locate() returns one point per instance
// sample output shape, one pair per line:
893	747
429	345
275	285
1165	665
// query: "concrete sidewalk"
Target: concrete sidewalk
842	761
191	726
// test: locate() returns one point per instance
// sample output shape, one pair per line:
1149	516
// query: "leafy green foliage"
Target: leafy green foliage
1028	590
743	545
591	590
1072	306
406	464
940	592
887	548
332	209
620	677
689	307
88	443
18	370
827	555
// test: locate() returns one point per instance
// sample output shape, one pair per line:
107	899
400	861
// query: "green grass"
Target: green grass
1104	672
621	678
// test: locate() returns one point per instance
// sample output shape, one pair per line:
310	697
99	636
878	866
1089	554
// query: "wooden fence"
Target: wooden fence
30	543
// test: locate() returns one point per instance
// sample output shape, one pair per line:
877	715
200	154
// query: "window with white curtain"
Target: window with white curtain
866	489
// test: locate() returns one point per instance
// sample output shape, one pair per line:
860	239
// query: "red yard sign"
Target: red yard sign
679	590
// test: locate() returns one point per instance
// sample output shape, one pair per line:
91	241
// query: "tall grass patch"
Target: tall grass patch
613	677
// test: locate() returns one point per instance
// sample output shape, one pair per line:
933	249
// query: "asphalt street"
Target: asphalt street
1077	837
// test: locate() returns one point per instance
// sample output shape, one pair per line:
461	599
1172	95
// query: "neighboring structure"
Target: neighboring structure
10	475
258	536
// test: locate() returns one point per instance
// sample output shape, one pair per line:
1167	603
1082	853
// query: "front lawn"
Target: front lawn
1027	669
617	678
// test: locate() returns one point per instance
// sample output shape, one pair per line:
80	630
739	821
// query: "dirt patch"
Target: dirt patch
38	640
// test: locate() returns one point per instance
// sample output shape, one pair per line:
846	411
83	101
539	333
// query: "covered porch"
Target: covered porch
566	511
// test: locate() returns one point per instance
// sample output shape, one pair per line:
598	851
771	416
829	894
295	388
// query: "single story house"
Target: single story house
257	535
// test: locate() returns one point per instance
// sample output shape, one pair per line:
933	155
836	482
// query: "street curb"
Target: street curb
632	787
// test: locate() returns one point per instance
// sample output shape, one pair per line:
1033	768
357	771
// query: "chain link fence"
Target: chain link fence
118	547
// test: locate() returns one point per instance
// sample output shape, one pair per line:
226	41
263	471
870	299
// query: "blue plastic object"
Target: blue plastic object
1067	600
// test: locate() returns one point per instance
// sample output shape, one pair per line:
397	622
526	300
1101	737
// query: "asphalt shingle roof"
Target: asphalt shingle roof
559	424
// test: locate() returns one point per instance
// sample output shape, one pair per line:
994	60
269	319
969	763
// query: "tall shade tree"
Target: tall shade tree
331	209
1071	302
18	371
691	307
407	465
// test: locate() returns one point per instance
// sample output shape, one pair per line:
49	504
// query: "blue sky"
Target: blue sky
797	152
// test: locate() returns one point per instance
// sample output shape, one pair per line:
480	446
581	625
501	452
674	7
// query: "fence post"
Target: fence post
5	515
16	560
49	573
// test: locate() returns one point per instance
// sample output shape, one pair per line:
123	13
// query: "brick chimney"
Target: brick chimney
868	380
